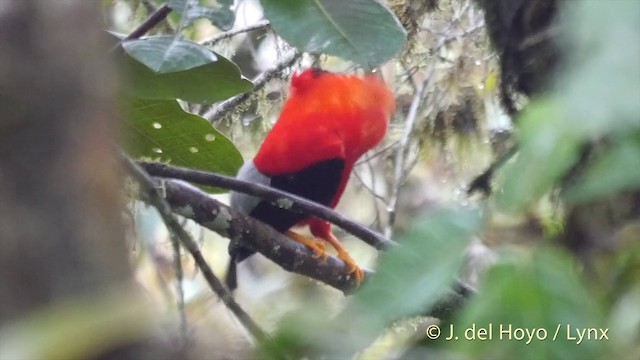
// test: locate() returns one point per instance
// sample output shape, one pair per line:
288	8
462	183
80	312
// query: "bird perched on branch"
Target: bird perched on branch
327	122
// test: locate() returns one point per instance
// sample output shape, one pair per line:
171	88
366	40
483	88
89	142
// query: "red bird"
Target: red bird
328	121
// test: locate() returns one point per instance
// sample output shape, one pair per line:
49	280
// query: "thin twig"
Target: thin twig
375	197
376	154
482	182
260	25
369	189
177	263
152	196
149	6
213	114
264	192
401	155
401	170
153	20
539	37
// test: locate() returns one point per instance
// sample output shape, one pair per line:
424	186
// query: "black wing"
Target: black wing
318	183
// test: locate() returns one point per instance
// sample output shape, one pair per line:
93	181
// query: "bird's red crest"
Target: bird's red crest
326	116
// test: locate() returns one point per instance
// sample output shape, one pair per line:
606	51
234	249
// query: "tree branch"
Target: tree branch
482	182
213	114
153	20
400	172
153	197
227	34
197	205
267	193
453	301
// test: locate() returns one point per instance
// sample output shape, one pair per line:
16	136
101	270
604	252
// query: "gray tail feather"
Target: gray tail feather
232	274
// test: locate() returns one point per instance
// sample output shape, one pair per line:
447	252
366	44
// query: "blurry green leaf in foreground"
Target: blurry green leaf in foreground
625	323
161	130
217	11
424	266
616	170
363	31
600	88
187	72
597	96
547	150
83	327
410	279
543	294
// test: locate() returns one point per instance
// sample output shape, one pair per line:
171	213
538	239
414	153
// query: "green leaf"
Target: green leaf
600	84
411	278
217	11
363	31
208	83
544	295
616	170
547	150
167	54
161	130
594	98
424	266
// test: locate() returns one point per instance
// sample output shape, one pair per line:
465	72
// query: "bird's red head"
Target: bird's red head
326	116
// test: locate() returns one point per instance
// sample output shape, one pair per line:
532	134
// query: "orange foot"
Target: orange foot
354	269
315	245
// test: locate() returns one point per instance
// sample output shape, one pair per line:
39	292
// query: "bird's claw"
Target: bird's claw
315	245
319	249
354	269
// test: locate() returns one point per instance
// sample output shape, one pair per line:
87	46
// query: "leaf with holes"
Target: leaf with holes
161	130
188	72
363	31
217	11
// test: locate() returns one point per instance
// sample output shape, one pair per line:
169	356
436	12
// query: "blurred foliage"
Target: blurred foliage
80	327
595	99
542	294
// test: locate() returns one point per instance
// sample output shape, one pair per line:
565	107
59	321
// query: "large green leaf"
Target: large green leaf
191	79
543	295
363	31
424	266
161	130
217	11
410	278
167	54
